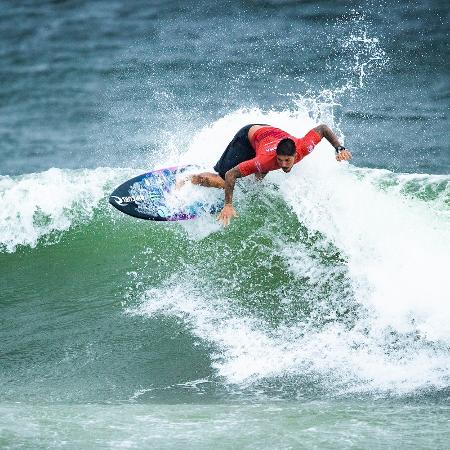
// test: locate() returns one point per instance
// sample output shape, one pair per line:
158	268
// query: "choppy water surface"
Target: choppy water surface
319	319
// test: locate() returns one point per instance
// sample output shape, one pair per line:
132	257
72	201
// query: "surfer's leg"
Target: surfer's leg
208	179
237	151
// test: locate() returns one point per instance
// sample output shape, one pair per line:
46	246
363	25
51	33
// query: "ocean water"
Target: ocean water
318	319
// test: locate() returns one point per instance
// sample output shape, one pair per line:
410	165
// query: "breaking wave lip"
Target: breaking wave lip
396	253
428	188
36	205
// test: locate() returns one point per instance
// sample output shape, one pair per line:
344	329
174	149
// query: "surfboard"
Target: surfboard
151	196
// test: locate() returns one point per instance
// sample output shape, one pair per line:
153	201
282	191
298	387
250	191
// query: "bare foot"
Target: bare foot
181	182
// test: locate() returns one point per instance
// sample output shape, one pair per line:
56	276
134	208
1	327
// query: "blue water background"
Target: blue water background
88	84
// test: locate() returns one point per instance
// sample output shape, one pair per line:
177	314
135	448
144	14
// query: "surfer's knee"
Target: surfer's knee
198	179
207	180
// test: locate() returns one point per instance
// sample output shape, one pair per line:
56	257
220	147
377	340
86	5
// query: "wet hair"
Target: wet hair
286	147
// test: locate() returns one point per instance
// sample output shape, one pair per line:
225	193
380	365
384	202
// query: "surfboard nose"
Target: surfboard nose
115	200
146	197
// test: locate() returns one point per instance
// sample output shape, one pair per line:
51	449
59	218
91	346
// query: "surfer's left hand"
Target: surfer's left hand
343	155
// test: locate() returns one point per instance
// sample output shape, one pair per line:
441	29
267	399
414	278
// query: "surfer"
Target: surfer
258	149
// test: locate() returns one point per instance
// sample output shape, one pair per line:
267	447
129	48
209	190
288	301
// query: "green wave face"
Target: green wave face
330	280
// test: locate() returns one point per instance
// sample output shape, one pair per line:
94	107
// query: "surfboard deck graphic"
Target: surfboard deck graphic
151	196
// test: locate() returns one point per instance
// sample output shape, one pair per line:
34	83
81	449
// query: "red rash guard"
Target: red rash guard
265	141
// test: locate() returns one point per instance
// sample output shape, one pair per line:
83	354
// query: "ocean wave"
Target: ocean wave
345	282
331	271
37	205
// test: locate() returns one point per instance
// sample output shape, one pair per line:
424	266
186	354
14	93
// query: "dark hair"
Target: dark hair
286	147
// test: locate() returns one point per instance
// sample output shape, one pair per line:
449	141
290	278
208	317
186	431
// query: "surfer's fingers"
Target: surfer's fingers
343	155
221	220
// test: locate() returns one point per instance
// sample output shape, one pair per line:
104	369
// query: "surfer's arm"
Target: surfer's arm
228	211
230	181
260	175
324	131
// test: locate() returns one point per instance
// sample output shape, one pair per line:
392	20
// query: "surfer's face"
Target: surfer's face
285	162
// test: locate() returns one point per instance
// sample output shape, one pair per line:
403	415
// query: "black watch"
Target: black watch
339	148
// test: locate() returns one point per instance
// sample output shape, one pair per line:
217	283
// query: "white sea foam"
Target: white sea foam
37	204
248	350
396	254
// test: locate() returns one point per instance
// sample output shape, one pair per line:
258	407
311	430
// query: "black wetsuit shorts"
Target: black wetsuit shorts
237	151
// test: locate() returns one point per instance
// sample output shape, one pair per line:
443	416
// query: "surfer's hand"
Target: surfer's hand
343	155
227	213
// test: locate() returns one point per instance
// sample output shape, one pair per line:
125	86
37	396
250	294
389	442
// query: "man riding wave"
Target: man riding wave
258	149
